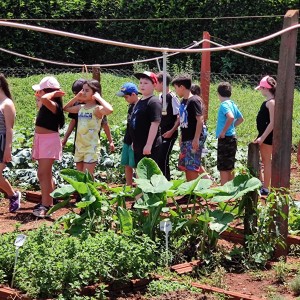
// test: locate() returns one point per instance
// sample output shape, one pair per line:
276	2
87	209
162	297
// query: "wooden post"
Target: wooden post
251	198
282	133
97	76
205	73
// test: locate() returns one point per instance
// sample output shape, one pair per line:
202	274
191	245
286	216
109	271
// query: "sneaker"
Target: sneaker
41	211
55	201
264	192
15	201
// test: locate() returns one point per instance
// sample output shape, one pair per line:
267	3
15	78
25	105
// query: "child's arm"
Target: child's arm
238	121
104	109
195	142
69	107
106	128
271	107
170	132
151	136
229	120
68	132
9	116
46	100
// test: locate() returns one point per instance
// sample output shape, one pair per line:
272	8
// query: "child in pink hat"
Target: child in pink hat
265	124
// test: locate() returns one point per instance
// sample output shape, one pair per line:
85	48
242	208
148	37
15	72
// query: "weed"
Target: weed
295	285
281	270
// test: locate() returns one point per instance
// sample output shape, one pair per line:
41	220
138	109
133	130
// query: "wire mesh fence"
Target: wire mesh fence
214	77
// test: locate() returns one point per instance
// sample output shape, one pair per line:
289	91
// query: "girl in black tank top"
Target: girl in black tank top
265	124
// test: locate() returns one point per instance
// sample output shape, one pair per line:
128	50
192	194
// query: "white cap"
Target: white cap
48	82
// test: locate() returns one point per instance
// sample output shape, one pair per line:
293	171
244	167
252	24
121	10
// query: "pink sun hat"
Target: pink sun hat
264	83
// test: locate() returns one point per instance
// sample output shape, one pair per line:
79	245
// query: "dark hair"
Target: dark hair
160	78
94	85
77	85
196	90
184	80
272	82
60	113
224	89
4	86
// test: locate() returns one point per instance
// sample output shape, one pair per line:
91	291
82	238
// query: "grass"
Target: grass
247	99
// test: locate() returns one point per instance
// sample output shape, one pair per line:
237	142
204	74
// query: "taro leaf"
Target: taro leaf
187	188
236	188
58	206
146	168
175	184
160	183
75	175
220	221
125	219
63	191
80	187
94	192
157	184
84	204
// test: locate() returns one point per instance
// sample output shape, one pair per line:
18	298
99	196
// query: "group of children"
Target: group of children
152	128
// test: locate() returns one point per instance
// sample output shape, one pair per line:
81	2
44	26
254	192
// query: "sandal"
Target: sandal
41	211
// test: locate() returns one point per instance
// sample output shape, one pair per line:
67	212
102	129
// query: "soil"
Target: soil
259	284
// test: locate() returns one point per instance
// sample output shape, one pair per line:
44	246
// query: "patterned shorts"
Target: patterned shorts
226	153
86	157
189	160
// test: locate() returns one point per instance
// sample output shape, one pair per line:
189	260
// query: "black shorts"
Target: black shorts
226	153
2	146
268	140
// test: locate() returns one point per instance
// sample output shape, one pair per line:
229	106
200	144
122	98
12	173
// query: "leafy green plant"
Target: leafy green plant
281	270
295	285
158	287
53	263
261	244
152	187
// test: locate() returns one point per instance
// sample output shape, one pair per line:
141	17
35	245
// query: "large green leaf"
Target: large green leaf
146	168
220	220
236	188
58	206
188	187
125	219
63	192
80	187
73	174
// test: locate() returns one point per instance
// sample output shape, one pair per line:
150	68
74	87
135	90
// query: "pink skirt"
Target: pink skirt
47	145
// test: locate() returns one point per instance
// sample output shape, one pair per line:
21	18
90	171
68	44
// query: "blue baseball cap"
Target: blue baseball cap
127	89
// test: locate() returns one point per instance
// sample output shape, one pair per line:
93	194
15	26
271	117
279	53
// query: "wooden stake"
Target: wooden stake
282	133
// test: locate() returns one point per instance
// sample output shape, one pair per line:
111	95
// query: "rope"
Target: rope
141	47
195	44
142	19
249	55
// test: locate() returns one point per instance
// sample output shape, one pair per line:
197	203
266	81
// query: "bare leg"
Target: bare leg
128	175
202	170
79	166
89	167
266	157
191	175
4	183
46	180
226	176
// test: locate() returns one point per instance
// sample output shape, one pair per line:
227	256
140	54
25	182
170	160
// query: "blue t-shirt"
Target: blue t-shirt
226	107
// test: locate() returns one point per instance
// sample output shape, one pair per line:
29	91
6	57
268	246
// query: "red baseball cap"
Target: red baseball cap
147	74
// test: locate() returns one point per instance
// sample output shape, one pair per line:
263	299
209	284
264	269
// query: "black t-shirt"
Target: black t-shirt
144	113
263	120
49	120
127	138
188	110
168	120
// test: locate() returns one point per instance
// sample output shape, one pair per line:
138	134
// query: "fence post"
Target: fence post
282	133
250	220
97	76
205	73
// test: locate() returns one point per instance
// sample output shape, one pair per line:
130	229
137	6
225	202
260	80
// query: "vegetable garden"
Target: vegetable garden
112	236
